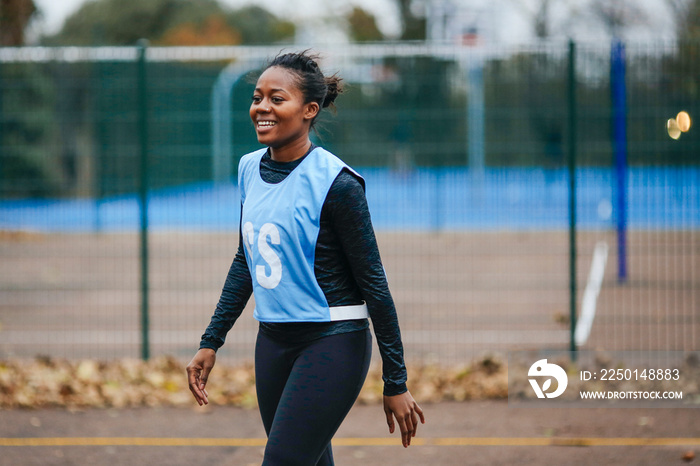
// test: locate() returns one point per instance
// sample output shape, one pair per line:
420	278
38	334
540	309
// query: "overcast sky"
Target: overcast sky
517	26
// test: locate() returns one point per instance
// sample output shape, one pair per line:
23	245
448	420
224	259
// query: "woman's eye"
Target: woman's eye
257	98
277	99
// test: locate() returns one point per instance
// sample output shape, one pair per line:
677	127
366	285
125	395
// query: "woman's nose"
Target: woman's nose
263	107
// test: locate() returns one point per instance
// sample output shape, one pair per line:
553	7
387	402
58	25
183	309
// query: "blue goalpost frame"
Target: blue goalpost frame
618	90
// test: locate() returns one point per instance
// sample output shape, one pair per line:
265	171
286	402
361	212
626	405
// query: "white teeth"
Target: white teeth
266	123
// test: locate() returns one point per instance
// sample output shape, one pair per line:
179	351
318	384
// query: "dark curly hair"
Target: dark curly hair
314	86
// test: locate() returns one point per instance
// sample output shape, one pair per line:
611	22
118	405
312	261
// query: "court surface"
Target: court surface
483	432
459	295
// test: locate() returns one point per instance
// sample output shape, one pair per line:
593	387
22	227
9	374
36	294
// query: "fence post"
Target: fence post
2	128
142	102
571	88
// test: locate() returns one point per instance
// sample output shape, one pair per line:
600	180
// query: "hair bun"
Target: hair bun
311	66
335	88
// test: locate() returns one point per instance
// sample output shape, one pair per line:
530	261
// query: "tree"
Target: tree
684	73
538	15
27	128
212	31
413	27
258	26
169	22
616	16
542	13
686	14
569	18
363	26
14	17
124	22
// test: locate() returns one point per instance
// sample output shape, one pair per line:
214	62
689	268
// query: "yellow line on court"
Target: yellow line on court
493	441
130	441
347	442
626	441
565	441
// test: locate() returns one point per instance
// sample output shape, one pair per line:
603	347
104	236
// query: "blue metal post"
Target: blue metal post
619	129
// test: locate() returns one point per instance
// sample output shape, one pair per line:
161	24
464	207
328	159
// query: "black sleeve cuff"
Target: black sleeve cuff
208	344
391	389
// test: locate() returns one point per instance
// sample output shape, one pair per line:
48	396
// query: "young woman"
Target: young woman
307	251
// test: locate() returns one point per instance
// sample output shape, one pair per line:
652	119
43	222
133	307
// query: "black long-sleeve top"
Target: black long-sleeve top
348	269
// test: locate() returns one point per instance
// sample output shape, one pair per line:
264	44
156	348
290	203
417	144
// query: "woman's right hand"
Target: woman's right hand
198	372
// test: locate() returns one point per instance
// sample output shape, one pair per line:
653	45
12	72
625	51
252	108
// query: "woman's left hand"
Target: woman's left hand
406	411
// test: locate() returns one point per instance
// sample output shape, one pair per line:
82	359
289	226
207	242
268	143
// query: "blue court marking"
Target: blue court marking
421	200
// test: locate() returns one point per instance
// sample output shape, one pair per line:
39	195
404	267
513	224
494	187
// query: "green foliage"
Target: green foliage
363	27
29	164
124	22
414	28
686	68
258	26
689	22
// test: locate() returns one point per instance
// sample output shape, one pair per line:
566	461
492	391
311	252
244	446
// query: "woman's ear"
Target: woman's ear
311	110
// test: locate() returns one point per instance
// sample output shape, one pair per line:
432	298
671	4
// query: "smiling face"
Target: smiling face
279	114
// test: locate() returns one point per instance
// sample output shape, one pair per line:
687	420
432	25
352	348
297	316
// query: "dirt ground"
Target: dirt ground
459	295
491	430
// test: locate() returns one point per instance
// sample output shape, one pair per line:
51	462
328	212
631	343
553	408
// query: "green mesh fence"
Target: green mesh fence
465	155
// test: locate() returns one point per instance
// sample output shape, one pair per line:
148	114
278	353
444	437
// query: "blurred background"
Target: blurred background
530	165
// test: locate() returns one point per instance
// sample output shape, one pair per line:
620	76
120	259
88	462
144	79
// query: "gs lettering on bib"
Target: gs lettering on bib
280	225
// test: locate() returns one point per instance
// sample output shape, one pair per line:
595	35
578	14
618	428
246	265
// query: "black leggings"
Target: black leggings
305	391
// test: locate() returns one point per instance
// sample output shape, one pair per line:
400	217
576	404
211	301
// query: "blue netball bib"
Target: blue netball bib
280	225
